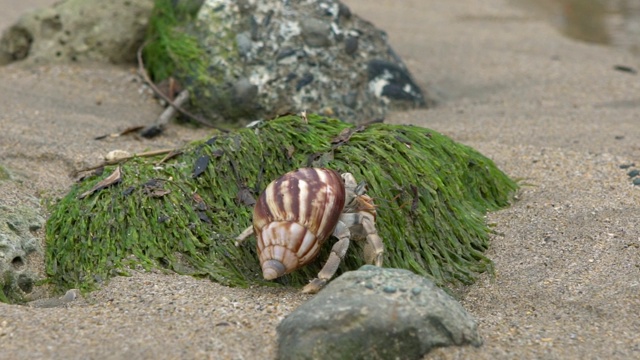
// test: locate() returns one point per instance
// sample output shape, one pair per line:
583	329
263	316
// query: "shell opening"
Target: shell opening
272	269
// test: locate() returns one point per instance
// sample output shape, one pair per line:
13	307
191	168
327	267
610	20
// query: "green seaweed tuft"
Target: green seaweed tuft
169	49
431	193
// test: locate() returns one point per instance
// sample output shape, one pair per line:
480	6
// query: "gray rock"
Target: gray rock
18	247
243	41
244	92
375	313
69	296
78	30
300	55
316	33
351	45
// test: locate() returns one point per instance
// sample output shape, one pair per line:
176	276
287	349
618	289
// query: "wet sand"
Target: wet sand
550	111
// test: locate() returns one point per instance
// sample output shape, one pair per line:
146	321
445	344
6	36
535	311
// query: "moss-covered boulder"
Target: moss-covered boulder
183	213
243	60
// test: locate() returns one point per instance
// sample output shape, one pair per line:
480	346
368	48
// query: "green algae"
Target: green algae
172	50
169	49
431	193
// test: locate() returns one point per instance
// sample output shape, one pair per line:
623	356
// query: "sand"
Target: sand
550	111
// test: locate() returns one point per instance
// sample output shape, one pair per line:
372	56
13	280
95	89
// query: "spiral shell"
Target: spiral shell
294	216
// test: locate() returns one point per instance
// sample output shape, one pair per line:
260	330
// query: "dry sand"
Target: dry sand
547	109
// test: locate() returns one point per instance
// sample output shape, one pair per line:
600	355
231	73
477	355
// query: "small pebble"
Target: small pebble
351	45
633	173
389	289
416	291
243	43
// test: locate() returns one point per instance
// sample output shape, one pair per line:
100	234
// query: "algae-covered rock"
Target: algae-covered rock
184	213
266	57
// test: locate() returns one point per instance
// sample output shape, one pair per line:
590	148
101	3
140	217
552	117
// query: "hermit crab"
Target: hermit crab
299	211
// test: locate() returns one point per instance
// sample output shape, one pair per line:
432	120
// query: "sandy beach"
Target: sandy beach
550	111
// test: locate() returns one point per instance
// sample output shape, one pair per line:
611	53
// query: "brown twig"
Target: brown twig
145	75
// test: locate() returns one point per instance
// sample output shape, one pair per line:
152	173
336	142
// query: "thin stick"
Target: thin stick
164	97
170	111
125	158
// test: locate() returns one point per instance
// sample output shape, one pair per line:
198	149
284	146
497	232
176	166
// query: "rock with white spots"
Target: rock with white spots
295	56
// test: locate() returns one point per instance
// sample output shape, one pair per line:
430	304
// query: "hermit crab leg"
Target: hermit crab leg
244	235
374	247
364	224
338	252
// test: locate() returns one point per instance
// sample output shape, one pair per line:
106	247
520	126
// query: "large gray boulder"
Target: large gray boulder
78	30
270	57
375	313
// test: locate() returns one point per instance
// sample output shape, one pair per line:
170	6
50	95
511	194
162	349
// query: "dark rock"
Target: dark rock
351	45
78	30
304	81
329	49
388	80
375	313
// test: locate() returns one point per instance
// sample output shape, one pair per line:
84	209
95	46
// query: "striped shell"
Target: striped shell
294	216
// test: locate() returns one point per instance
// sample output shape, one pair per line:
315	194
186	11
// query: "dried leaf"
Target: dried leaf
403	140
96	172
290	150
245	197
212	140
156	193
416	198
203	217
201	165
114	178
346	134
217	153
343	136
200	204
155	188
320	160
